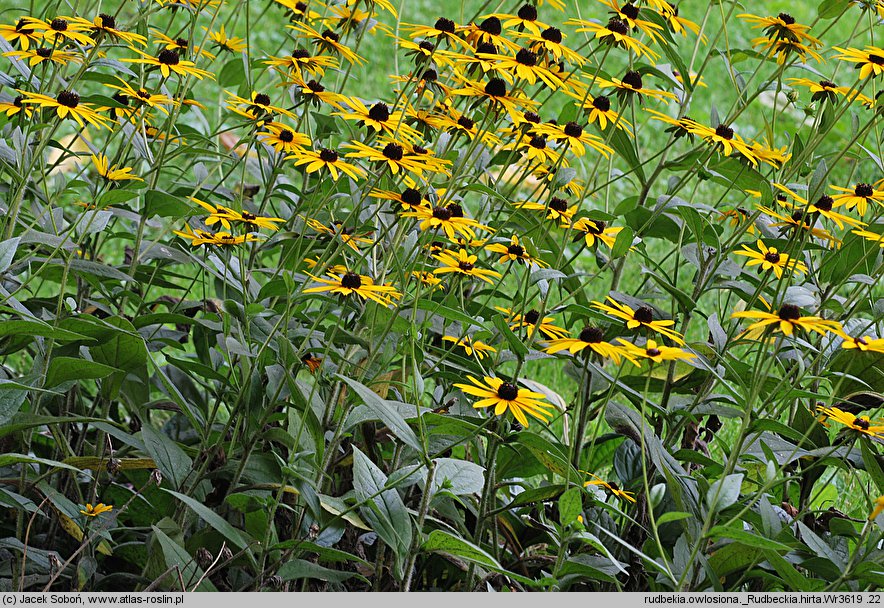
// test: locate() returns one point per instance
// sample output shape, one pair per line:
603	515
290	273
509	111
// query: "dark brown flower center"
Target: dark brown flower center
552	34
466	123
527	13
526	57
876	59
455	210
412	197
17	101
773	258
301	7
262	99
351	280
592	335
393	151
496	87
601	103
531	317
419	150
828	84
168	57
120	98
379	112
286	136
68	99
618	26
643	315
787	18
558	204
300	54
516	250
430	75
863	190
491	26
538	142
442	213
427	46
653	352
328	156
633	79
507	391
20	24
330	35
59	24
595	226
44	52
630	10
531	117
860	422
444	25
315	87
724	132
182	43
249	217
572	129
788	312
108	21
465	266
825	203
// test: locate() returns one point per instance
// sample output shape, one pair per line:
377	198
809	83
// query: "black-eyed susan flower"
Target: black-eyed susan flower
632	85
800	220
427	279
394	156
168	62
142	96
525	19
66	104
557	209
859	196
19	34
593	231
329	159
598	110
199	237
495	91
655	352
786	320
825	90
182	46
443	29
524	65
488	31
313	363
823	206
550	42
14	106
299	10
314	92
379	118
677	24
631	14
574	135
59	30
514	251
96	510
781	27
505	396
463	262
457	122
533	322
408	199
610	486
302	60
869	61
771	259
228	44
874	237
327	41
258	107
643	316
471	346
337	229
351	283
617	33
725	139
860	424
106	25
862	344
282	138
38	55
533	147
592	338
449	218
113	174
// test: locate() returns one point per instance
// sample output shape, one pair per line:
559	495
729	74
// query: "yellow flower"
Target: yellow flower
596	230
787	319
283	139
861	424
95	511
592	338
462	262
611	487
859	196
327	41
471	346
514	252
640	317
231	44
878	508
771	259
114	174
349	283
533	322
655	352
39	55
617	33
219	239
869	61
863	344
168	62
449	218
66	104
506	396
328	158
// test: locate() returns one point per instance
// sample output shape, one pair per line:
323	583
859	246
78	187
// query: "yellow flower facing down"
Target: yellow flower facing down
786	320
878	508
66	104
329	159
113	174
771	259
592	338
532	321
594	231
225	216
640	317
617	33
823	206
610	486
169	62
861	424
655	352
219	239
450	219
514	252
471	346
505	396
863	344
96	510
351	283
230	44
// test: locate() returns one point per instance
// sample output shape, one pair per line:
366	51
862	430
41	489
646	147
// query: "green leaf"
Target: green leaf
624	145
750	539
795	581
38	328
382	509
870	461
8	459
233	73
623	242
570	505
459	477
213	519
385	412
724	492
125	350
11	400
170	458
175	555
301	568
163	204
440	541
672	516
829	9
65	369
7	252
515	344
